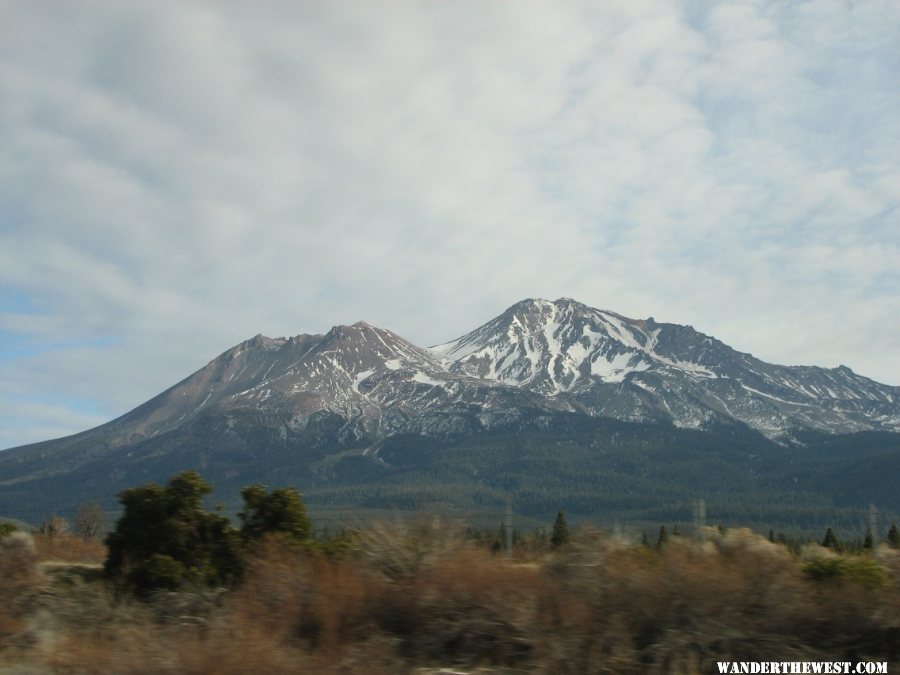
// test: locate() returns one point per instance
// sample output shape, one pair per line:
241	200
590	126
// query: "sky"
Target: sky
176	177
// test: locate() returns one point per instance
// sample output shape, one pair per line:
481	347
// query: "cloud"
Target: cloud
176	177
33	421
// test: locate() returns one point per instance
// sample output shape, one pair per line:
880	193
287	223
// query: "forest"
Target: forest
175	586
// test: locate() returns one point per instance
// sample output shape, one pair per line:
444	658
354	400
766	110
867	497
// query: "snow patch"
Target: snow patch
616	368
621	330
423	378
775	398
208	396
686	366
364	375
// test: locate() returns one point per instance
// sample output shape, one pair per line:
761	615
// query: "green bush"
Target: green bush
862	571
159	572
165	537
280	511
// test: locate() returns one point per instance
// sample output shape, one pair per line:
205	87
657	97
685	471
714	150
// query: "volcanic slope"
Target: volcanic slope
604	364
297	407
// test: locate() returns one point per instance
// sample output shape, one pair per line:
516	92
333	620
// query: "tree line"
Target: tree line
166	538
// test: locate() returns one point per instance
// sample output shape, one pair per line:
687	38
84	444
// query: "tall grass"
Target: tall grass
404	598
69	548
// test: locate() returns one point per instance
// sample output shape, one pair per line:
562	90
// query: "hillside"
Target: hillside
549	403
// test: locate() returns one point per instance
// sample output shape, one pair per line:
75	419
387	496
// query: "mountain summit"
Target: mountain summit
604	364
551	347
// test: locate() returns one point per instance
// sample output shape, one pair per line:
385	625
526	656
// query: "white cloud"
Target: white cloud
176	177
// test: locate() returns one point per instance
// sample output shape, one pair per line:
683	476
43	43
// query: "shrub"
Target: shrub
55	526
19	578
90	521
419	597
165	538
160	571
862	571
280	511
399	550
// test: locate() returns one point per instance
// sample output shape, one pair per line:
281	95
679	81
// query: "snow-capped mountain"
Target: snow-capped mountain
537	360
376	382
360	405
606	364
552	347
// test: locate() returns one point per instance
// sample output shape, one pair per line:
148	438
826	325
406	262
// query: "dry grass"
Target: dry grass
404	599
69	548
20	579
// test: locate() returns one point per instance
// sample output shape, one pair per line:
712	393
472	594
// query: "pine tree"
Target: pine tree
772	535
676	532
280	511
499	540
869	541
663	538
894	536
830	540
560	533
644	541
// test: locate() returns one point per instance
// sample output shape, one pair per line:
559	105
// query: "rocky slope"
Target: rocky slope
602	363
360	405
536	360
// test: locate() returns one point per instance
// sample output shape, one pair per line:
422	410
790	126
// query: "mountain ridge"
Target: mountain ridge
539	355
547	394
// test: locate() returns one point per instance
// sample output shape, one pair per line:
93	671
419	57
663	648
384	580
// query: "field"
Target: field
425	596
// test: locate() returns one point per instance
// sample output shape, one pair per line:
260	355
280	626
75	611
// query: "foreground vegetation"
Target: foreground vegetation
417	597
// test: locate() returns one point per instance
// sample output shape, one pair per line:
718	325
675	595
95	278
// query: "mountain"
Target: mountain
361	403
375	382
601	363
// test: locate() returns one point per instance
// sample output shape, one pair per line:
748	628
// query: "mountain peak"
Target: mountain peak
260	340
569	302
332	403
550	347
528	304
543	302
538	355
